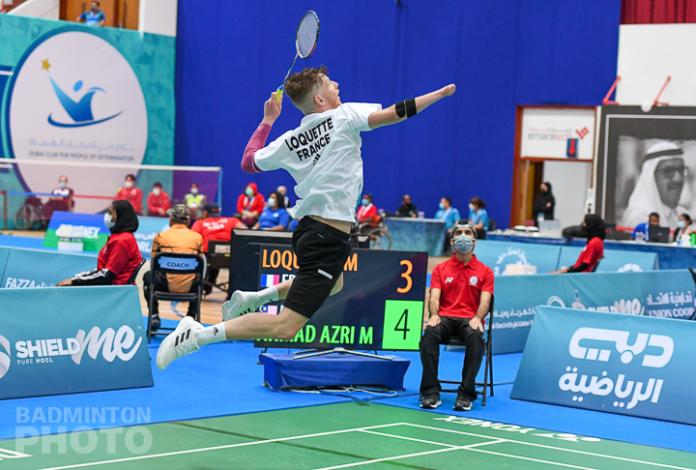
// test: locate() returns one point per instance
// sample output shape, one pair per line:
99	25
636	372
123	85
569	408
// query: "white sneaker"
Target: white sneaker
179	343
241	302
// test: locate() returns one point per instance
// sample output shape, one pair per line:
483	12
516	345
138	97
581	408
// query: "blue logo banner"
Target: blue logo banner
34	268
69	340
498	255
665	294
632	365
148	227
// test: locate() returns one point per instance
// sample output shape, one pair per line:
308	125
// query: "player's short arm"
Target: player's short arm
434	302
405	109
484	304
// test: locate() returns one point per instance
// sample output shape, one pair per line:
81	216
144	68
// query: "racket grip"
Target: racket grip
278	95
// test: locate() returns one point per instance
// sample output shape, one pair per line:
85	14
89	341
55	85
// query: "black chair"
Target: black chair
218	257
487	383
136	271
176	263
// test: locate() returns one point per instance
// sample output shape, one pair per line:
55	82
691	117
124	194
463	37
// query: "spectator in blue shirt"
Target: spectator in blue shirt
642	231
478	216
94	16
446	212
274	216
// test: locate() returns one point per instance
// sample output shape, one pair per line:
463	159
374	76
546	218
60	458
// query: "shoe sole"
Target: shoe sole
431	407
461	409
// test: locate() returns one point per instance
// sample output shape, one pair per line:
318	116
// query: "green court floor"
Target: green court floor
333	436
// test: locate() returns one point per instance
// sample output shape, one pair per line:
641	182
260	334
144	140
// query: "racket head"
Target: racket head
307	34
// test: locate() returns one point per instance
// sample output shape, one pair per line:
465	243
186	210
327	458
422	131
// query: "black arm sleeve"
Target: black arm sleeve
97	277
579	269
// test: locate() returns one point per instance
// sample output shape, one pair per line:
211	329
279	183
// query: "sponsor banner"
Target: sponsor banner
502	256
70	340
614	260
148	227
4	254
69	231
663	294
637	366
26	269
552	132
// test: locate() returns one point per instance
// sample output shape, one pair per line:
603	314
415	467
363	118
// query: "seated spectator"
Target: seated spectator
213	227
178	239
274	217
195	201
250	205
594	228
284	192
461	290
641	232
450	215
478	216
120	257
131	193
94	16
684	230
63	194
367	211
158	202
407	208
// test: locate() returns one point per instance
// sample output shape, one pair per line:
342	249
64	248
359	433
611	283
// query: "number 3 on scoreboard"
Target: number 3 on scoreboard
407	276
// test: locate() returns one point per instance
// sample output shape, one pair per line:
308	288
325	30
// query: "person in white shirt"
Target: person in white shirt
323	157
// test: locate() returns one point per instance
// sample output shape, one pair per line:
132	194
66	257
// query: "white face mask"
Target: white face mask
194	190
108	221
472	208
128	184
156	191
62	184
681	224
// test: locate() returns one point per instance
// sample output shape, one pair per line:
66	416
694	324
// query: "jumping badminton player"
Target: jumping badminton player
323	156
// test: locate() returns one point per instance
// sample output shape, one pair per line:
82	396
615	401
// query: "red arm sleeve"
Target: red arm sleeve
488	282
151	202
592	253
256	142
240	203
435	279
259	203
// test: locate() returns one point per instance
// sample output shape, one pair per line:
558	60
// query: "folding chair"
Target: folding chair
218	257
176	263
488	364
136	271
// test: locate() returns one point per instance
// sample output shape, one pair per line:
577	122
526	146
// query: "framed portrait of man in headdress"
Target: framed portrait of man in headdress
646	162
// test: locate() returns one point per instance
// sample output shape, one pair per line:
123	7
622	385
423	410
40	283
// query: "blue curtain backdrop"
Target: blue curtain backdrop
500	53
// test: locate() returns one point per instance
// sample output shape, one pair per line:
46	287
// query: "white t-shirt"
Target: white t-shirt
323	157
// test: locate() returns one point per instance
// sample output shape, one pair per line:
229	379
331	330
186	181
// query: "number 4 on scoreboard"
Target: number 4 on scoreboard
403	323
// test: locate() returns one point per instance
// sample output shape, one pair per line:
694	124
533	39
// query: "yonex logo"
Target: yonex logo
620	340
449	280
5	356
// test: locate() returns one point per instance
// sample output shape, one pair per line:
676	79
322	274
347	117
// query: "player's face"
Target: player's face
329	92
669	178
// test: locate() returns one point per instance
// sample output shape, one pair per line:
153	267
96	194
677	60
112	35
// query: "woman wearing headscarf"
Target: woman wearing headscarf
594	228
120	257
544	203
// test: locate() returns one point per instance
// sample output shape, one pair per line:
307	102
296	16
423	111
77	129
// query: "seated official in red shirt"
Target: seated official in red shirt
214	228
131	193
158	202
460	296
594	228
120	257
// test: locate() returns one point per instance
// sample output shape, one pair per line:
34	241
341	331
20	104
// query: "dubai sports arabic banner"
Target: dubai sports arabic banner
638	366
81	94
71	339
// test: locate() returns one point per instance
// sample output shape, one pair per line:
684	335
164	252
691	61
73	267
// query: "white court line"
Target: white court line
574	451
227	446
440	444
469	447
9	73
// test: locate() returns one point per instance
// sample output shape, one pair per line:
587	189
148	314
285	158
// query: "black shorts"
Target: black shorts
321	252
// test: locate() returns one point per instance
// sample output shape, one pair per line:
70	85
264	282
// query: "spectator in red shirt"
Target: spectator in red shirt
158	202
250	204
214	228
367	211
594	228
131	193
461	290
120	257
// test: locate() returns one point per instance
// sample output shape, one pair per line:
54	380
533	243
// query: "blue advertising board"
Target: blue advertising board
630	365
26	268
665	294
148	227
497	255
71	339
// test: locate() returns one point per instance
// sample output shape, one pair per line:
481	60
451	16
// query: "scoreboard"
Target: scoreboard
380	307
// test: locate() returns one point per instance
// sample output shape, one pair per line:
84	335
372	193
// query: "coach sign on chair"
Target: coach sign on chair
70	340
624	364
